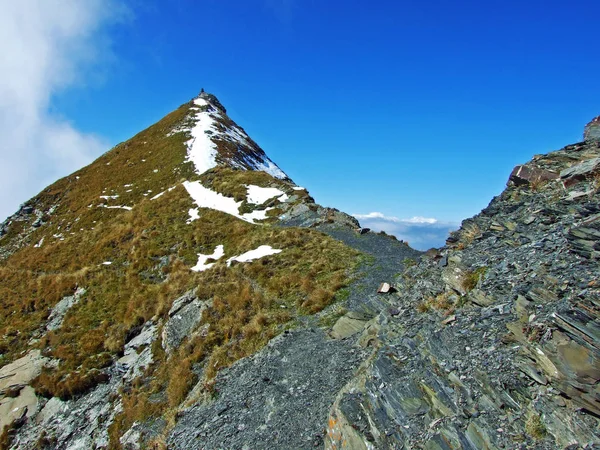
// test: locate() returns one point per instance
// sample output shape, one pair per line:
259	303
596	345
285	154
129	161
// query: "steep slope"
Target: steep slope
126	286
493	342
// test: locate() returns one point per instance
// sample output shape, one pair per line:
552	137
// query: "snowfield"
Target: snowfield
201	265
263	250
207	198
258	195
202	151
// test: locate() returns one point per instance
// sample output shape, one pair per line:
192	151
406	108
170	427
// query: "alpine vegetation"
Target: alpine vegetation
183	292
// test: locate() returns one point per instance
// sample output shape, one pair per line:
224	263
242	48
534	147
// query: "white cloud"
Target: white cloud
46	46
421	233
378	215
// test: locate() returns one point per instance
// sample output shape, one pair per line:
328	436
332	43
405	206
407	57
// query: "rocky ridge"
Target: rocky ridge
490	342
493	341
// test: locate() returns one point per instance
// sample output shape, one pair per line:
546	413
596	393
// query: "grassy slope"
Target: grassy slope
151	249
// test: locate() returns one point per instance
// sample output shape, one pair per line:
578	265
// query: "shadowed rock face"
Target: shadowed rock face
592	130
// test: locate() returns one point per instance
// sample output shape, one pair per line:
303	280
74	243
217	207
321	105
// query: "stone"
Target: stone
580	171
17	376
522	307
61	308
23	370
346	327
480	298
524	174
138	353
449	319
591	132
394	312
385	288
131	439
183	320
14	408
454	275
181	302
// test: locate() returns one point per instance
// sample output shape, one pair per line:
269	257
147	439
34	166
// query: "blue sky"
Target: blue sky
408	109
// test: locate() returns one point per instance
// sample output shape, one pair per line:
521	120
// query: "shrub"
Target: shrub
534	425
472	278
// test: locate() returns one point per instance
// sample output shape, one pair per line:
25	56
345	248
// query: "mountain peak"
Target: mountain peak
215	140
212	99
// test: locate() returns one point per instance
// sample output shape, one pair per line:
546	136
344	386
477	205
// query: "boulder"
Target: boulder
58	313
525	174
385	288
184	317
17	399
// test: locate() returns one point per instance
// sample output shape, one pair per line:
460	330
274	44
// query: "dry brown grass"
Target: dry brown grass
469	233
440	302
252	302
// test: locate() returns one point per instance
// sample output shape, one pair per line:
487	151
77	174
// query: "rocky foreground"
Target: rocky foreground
493	341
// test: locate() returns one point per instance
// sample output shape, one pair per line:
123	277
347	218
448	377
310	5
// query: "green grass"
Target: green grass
472	278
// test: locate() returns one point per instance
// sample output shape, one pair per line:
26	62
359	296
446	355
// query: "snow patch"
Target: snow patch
258	195
39	244
263	250
163	192
298	188
201	265
108	197
194	215
207	198
271	168
202	151
257	214
128	208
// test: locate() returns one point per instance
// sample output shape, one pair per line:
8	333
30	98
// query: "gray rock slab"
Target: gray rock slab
181	323
277	399
59	312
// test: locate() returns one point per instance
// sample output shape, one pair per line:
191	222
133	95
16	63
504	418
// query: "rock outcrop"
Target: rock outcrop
495	339
592	130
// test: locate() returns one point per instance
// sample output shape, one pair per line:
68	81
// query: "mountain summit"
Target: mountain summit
182	292
217	140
